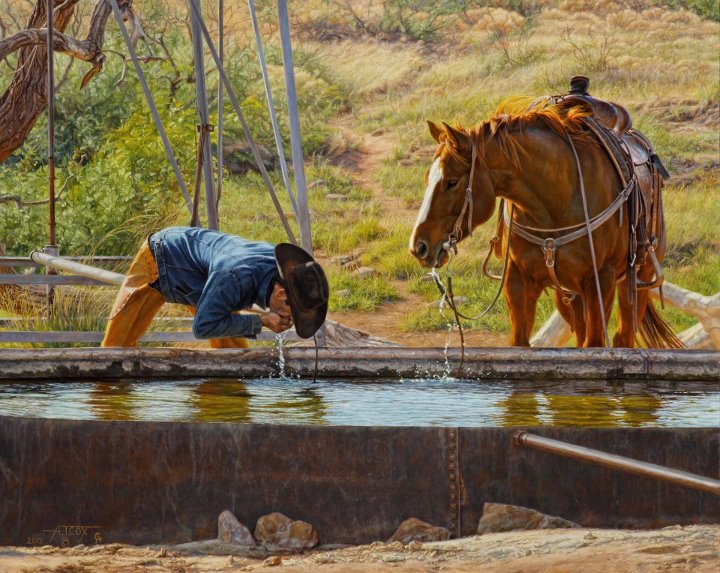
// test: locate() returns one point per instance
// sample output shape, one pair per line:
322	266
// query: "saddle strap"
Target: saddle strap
595	222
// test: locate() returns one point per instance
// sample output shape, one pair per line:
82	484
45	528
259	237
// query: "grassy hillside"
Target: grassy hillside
369	75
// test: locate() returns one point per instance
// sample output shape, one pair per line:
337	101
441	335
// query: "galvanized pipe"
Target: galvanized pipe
51	117
694	481
61	264
202	108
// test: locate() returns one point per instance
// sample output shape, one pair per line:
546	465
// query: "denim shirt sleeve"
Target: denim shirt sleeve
223	293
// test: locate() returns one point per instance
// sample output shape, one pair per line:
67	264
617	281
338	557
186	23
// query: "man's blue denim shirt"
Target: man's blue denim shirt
216	273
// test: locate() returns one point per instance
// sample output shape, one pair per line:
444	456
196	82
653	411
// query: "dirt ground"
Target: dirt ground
693	549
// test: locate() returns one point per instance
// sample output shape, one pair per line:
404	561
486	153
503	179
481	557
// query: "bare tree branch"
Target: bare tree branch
85	50
26	96
21	204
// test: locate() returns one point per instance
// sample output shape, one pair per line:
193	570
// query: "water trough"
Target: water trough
64	481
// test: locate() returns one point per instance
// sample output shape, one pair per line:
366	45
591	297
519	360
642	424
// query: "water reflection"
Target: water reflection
580	408
111	400
363	403
222	400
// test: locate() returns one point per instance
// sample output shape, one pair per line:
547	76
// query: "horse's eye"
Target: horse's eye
452	183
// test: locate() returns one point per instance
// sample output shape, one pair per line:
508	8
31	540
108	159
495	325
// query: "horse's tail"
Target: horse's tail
656	332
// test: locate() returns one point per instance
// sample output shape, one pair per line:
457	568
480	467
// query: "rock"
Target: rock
345	260
338	335
503	517
273	561
238	158
338	197
342	293
415	545
414	529
231	531
277	531
365	272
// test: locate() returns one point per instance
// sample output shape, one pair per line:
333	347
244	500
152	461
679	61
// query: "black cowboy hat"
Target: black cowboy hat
306	286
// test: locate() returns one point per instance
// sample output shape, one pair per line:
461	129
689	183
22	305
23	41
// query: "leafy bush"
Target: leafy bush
709	9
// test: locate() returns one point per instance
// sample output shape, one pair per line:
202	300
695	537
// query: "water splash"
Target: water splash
445	376
280	340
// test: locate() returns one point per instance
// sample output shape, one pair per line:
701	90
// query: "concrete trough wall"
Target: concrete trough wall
64	482
369	363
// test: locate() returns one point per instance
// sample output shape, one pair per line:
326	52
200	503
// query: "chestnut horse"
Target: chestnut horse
555	177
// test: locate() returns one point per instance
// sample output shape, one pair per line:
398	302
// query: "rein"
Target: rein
450	246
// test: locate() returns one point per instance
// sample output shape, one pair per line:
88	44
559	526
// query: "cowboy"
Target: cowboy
217	275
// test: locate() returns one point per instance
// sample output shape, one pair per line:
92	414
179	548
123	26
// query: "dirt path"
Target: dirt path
675	549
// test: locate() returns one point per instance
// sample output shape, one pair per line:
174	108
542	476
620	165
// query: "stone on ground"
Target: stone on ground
231	531
499	517
277	531
415	529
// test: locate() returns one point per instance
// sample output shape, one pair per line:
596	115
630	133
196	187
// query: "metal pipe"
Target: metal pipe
51	116
202	107
50	293
271	107
241	118
220	104
61	264
295	139
296	142
678	477
151	104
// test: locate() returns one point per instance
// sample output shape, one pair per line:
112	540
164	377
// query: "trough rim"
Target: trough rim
366	362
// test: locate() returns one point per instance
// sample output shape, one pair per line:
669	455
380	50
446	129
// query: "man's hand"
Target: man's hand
275	322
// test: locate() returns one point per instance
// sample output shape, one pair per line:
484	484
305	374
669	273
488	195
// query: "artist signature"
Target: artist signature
67	535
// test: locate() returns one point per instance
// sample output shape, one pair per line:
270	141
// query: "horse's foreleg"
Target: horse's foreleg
595	335
626	333
521	296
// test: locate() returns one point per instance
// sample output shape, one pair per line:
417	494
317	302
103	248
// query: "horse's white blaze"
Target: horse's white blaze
434	177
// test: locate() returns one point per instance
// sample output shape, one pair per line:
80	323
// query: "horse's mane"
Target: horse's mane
516	112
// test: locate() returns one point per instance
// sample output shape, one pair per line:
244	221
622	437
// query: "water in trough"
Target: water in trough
429	402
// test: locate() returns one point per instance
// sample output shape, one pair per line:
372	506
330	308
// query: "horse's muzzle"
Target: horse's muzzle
427	256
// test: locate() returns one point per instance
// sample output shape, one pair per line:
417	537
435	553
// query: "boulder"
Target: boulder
238	158
231	531
277	531
365	273
499	517
415	529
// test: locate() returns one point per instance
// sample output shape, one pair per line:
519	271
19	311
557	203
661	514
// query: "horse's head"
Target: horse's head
445	196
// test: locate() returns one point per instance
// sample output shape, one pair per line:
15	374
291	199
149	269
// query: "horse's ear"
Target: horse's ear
435	131
458	139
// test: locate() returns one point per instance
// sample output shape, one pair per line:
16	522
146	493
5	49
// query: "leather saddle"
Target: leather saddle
616	119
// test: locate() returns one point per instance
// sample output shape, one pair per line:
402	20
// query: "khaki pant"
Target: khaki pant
137	303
